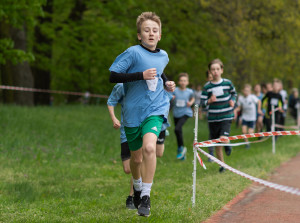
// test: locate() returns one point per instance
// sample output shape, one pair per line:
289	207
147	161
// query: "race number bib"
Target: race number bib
274	101
152	84
180	103
217	91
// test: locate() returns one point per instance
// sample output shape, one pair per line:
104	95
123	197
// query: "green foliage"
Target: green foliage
16	14
8	53
255	39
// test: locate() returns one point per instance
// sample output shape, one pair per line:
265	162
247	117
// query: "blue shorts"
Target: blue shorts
249	124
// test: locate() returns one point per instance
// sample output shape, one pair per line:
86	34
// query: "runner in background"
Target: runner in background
249	104
259	117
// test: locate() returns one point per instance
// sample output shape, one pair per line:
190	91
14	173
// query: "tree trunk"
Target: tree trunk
22	75
19	74
5	70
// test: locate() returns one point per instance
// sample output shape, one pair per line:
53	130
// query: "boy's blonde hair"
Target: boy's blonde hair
147	16
247	86
276	80
218	61
183	75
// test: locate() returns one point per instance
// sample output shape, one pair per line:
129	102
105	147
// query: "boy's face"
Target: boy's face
269	87
246	91
150	34
216	71
210	77
183	82
276	87
257	88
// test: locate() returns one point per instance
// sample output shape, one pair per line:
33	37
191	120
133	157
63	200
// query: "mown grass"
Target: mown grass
62	164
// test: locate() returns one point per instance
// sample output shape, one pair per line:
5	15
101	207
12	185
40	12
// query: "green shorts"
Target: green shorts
135	135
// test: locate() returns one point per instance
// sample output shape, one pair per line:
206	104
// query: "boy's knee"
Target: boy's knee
137	158
150	148
159	154
177	130
127	170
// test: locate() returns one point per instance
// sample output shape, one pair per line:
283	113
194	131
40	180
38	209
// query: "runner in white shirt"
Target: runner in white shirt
247	104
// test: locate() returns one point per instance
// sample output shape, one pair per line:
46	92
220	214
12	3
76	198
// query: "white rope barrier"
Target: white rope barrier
14	88
223	142
283	188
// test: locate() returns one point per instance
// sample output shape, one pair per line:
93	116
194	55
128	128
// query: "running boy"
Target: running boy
146	105
116	97
247	103
183	100
259	117
220	95
272	98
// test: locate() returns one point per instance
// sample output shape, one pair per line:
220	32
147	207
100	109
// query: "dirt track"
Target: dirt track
262	204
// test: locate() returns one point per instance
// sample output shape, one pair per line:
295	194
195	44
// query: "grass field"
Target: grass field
62	164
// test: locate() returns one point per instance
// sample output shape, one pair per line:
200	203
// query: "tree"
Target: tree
15	19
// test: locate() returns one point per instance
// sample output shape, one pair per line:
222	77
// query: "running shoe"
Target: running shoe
181	152
211	153
228	150
129	203
222	169
144	207
136	198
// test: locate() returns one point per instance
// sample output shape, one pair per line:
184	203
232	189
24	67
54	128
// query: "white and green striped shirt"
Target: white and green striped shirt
224	91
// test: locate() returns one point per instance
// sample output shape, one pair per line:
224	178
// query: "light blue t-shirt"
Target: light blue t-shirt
181	98
142	98
116	96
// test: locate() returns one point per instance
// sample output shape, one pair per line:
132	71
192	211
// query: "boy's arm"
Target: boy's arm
203	98
233	95
236	111
280	105
148	74
170	85
259	107
116	122
164	78
123	77
190	102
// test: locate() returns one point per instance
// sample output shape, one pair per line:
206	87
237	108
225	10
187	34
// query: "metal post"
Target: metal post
298	115
273	129
195	154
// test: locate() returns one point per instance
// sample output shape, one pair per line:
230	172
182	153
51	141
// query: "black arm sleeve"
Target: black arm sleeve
164	77
123	77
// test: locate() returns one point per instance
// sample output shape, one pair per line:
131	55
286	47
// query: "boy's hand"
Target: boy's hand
231	103
170	86
260	112
149	74
116	123
189	104
212	99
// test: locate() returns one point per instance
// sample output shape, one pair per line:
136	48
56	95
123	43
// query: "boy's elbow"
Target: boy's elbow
111	79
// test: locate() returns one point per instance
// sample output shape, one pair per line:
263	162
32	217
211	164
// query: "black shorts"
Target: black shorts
217	129
161	138
125	152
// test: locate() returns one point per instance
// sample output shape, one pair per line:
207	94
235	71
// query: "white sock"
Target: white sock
137	184
146	189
